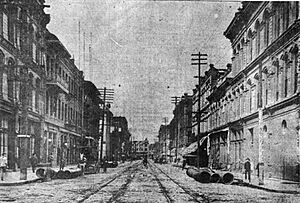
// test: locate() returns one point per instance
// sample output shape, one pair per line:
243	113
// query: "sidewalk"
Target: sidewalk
270	184
12	178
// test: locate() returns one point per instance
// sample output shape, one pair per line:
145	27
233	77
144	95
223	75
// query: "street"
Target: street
133	182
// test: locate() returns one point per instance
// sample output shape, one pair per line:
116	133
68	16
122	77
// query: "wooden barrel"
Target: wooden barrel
226	177
200	175
40	173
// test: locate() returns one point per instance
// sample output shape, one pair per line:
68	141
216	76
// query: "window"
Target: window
4	136
284	127
266	18
5	26
251	136
5	86
34	52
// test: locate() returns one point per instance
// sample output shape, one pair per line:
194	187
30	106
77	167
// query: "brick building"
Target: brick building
22	66
120	138
254	110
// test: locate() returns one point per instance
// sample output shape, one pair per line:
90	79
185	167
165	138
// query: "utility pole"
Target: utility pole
198	60
165	136
107	96
175	101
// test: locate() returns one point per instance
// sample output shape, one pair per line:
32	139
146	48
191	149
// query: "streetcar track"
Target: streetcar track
103	185
162	187
186	190
122	189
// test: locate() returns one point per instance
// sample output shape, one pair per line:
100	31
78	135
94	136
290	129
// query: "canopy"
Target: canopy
191	148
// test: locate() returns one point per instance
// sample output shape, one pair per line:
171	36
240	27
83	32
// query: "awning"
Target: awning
191	148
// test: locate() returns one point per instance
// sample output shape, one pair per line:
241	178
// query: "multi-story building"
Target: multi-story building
179	130
257	112
207	85
163	139
22	64
63	105
140	148
106	121
91	121
120	138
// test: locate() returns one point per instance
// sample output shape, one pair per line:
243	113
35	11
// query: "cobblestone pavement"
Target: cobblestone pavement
133	182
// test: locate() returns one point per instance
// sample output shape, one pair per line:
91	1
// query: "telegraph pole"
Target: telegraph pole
198	60
165	136
175	101
107	96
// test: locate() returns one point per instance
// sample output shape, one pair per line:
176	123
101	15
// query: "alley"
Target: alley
133	182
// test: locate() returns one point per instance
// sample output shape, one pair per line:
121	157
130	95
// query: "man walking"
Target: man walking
3	164
34	162
104	164
247	167
183	163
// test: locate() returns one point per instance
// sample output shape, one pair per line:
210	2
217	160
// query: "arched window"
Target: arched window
294	55
265	85
266	19
284	124
11	62
2	58
250	36
257	38
265	129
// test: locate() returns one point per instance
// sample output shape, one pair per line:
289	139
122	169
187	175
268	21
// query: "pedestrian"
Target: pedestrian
183	163
104	164
82	163
62	163
34	162
50	159
3	165
247	167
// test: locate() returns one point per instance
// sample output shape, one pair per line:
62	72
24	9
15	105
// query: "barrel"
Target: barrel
60	174
200	175
68	174
50	174
226	177
40	173
215	178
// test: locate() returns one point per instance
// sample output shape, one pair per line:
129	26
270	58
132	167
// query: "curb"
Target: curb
242	183
21	183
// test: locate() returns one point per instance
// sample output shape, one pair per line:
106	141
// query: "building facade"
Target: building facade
63	127
22	79
254	110
91	121
120	138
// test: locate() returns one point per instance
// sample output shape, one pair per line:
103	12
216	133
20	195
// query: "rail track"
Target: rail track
194	195
98	187
129	173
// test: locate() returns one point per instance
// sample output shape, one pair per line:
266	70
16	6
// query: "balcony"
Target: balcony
57	83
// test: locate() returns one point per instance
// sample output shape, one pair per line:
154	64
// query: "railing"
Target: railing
57	79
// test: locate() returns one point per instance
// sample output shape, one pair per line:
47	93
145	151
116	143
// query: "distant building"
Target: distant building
180	127
91	121
140	148
120	138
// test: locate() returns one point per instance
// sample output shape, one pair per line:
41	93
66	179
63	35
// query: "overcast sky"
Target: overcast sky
142	49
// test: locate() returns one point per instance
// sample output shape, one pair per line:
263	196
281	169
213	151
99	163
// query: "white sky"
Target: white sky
142	49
